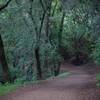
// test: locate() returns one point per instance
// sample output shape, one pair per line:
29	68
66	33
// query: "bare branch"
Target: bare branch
42	21
53	12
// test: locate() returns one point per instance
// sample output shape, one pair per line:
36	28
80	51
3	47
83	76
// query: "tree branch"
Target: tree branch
43	7
31	16
53	12
4	6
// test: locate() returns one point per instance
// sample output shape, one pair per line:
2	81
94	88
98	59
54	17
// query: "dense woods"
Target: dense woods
36	36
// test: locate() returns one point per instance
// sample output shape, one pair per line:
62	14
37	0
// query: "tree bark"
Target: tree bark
57	70
38	63
47	32
61	30
3	61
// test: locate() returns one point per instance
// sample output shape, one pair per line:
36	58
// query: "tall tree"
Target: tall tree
3	60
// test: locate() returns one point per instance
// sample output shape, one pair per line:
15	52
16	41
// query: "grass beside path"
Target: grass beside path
4	89
64	74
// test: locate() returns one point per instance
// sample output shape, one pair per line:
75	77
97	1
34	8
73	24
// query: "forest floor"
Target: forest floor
80	85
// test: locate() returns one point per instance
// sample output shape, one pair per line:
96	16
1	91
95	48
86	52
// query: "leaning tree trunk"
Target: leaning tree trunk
3	61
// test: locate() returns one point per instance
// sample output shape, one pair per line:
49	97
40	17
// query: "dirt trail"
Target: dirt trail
80	85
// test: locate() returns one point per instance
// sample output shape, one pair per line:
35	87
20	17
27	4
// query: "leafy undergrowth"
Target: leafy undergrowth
4	89
98	80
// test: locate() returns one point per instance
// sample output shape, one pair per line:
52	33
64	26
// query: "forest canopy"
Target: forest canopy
36	36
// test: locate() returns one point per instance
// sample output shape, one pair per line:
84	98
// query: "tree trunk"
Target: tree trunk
57	70
47	33
3	61
60	31
38	63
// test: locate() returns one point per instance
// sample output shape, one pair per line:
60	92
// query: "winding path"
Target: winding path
80	85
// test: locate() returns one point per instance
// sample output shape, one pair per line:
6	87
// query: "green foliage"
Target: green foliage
4	89
49	52
20	36
96	57
98	79
96	53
